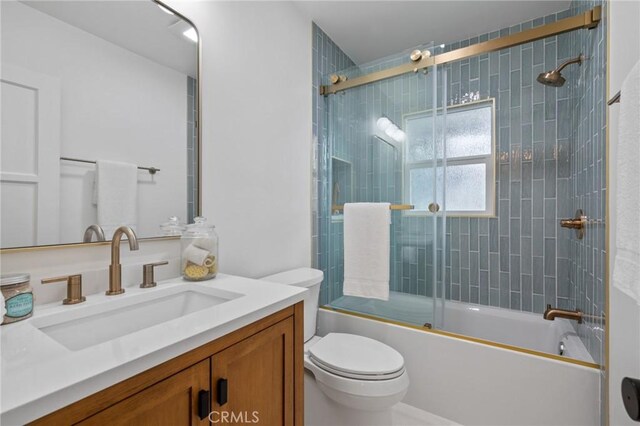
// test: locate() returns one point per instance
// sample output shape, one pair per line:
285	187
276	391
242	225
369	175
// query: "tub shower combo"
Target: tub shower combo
485	151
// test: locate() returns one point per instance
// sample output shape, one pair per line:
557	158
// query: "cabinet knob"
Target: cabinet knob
148	279
74	288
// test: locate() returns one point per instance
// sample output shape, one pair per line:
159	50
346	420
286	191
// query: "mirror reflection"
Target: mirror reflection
99	120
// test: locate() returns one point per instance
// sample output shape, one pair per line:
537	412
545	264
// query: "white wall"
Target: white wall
115	105
256	123
624	327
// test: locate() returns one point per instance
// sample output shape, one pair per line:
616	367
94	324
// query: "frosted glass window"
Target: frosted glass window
470	180
419	130
469	132
422	187
419	190
466	188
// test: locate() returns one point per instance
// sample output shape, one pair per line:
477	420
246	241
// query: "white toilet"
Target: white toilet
360	378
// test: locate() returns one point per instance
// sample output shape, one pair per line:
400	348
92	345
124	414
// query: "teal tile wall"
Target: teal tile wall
586	135
518	259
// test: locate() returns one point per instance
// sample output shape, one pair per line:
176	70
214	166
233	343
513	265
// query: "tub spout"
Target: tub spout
553	313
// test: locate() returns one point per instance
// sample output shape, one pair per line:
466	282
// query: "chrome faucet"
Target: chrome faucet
553	313
93	229
115	269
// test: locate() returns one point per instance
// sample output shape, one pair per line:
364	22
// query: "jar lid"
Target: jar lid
199	227
11	279
173	227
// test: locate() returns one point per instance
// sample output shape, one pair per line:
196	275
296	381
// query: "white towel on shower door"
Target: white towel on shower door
626	270
117	195
367	240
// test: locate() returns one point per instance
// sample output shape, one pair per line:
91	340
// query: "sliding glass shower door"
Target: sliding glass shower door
425	171
383	144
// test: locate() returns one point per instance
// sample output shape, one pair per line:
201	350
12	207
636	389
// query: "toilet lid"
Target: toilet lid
356	356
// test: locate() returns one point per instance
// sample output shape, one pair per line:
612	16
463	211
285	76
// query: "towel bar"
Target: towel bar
391	207
615	99
151	170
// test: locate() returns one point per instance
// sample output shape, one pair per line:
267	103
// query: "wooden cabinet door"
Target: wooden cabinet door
171	402
258	374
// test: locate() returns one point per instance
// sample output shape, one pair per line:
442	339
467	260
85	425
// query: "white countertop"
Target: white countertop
38	375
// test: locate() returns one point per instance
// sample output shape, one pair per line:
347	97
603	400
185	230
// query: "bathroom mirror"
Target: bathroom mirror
106	82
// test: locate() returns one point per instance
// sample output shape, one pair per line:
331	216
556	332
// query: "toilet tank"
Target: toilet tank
310	279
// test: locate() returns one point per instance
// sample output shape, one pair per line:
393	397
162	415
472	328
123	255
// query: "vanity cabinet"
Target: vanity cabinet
254	378
168	402
252	375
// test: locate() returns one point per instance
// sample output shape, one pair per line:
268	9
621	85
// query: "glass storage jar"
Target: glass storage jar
18	297
172	227
199	251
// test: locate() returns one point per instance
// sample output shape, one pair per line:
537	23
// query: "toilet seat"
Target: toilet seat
356	357
354	376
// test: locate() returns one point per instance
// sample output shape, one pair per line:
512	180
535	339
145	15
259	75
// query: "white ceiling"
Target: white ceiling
139	26
365	30
369	30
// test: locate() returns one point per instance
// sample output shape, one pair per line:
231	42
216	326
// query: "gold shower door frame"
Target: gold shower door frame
588	20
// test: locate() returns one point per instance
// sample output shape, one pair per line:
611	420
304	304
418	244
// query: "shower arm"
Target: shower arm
577	60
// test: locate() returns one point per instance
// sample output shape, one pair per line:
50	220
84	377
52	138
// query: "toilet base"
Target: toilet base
320	410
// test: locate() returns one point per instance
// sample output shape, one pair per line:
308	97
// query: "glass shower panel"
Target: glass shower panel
371	140
441	259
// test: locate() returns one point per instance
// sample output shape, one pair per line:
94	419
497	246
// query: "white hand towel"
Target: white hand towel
117	195
367	240
195	255
626	270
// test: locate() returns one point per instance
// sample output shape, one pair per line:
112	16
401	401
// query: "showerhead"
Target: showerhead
551	78
554	78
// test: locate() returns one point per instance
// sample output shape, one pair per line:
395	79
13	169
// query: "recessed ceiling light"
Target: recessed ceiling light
164	9
191	34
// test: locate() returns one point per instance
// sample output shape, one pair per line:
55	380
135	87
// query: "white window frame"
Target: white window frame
489	160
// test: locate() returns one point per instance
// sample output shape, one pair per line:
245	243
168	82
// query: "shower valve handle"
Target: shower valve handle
578	223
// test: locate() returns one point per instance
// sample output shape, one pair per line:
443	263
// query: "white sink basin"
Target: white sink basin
110	320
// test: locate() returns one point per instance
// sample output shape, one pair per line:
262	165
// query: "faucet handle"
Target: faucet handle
74	288
147	274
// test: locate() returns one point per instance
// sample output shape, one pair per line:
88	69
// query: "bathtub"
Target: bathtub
473	381
517	330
